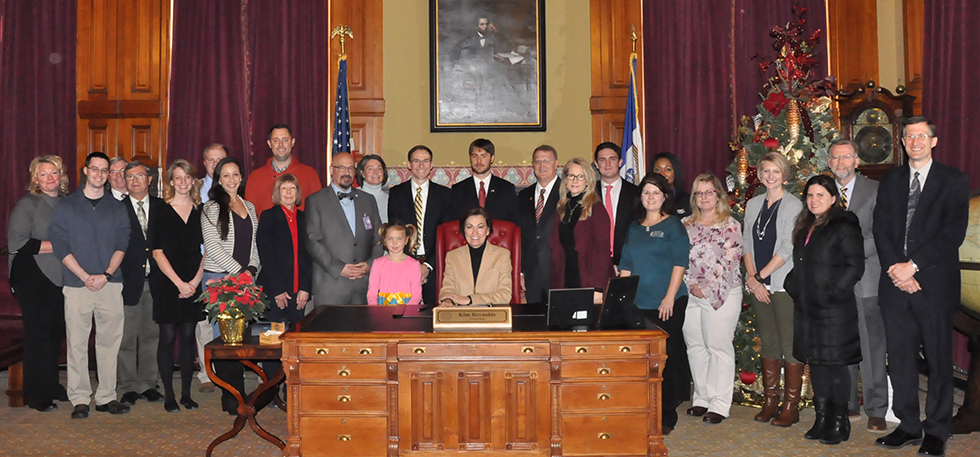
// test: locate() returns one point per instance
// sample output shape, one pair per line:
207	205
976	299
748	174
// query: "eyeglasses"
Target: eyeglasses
100	171
543	161
116	172
917	136
575	177
421	162
343	169
705	194
843	157
135	177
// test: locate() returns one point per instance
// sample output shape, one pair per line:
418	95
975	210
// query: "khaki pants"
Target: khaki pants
81	305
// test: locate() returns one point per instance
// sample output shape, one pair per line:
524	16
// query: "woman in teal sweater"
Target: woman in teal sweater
657	247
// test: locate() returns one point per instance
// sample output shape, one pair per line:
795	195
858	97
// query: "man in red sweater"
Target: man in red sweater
258	188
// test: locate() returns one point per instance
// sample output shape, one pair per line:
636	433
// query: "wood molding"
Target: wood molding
611	46
365	78
913	25
853	35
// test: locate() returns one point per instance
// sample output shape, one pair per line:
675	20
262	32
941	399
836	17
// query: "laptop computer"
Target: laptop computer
618	310
571	308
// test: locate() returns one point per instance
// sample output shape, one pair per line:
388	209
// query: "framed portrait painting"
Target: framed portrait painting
487	63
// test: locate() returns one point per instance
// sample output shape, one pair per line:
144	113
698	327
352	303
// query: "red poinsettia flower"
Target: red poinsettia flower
221	307
775	103
771	143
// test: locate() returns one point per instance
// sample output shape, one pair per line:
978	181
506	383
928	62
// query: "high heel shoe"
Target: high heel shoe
188	403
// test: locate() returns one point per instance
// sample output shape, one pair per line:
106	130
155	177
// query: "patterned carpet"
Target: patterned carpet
150	431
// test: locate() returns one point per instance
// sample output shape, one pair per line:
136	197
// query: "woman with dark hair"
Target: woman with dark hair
228	226
667	165
35	280
828	260
580	254
372	177
176	283
657	249
478	273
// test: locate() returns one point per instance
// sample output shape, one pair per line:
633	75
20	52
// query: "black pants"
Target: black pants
43	307
832	382
676	386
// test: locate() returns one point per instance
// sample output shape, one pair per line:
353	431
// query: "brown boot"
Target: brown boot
793	385
770	385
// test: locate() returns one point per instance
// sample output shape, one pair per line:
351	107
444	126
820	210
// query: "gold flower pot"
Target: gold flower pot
231	329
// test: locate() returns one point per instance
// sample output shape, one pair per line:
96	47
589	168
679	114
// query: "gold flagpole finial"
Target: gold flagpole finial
632	36
342	30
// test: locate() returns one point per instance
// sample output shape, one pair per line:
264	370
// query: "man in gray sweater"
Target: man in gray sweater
89	234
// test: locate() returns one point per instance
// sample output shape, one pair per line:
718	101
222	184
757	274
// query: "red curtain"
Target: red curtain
949	91
241	66
37	92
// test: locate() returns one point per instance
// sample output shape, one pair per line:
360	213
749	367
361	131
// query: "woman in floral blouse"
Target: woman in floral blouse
715	287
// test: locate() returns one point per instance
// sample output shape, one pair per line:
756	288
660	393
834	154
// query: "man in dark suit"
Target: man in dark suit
858	194
616	194
537	212
342	237
425	205
483	189
920	221
137	357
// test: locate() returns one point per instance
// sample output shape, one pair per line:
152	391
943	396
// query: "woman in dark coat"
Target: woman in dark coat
828	260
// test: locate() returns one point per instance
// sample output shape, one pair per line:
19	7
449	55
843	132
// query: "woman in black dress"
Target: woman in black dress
176	282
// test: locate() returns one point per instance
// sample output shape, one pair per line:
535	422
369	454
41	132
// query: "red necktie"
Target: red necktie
483	195
612	220
538	208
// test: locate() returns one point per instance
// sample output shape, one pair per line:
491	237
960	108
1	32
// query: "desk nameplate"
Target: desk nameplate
472	318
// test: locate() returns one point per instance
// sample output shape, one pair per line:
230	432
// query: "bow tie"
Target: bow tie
343	195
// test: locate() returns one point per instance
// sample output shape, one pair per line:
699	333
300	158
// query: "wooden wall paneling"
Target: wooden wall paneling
853	35
611	47
365	79
913	24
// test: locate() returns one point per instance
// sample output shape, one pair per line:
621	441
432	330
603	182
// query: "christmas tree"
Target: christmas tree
795	119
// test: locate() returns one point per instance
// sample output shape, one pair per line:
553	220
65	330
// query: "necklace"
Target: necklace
760	229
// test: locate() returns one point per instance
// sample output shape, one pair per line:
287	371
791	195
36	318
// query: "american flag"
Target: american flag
342	141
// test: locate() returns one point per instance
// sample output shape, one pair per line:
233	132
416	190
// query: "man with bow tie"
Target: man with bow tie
342	237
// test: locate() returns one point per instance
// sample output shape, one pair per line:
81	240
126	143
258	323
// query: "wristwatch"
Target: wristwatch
914	266
758	277
108	276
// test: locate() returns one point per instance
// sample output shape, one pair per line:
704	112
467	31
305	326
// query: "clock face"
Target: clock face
872	131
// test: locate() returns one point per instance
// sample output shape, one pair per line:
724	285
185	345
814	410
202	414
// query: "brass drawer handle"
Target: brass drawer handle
321	351
365	351
343	371
419	350
343	398
343	437
603	396
604	436
625	349
581	350
603	371
527	349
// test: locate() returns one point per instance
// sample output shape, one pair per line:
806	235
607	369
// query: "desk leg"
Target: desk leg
250	402
242	411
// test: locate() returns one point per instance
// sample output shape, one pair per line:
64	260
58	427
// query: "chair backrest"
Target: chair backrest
505	234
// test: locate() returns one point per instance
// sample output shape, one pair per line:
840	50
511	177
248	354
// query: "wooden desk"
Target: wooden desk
363	382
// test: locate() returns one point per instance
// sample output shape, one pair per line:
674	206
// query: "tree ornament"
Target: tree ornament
742	161
793	120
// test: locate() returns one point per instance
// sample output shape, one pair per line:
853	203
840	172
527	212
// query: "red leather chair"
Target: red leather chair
505	234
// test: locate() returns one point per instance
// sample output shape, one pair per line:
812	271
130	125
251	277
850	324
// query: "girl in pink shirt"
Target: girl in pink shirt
396	278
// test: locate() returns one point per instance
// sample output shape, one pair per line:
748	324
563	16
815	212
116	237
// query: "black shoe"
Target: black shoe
898	439
80	412
129	398
170	405
113	407
932	445
822	407
45	407
151	395
188	403
712	417
696	411
839	427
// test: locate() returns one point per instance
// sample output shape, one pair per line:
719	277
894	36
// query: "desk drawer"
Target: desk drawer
342	351
605	435
611	395
468	350
344	398
329	371
604	369
590	349
344	436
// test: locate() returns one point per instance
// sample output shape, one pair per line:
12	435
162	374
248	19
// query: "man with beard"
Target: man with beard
258	187
483	189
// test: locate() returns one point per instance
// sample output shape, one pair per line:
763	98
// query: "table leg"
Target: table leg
242	410
250	402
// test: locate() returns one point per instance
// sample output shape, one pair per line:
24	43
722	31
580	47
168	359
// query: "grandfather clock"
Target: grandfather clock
872	117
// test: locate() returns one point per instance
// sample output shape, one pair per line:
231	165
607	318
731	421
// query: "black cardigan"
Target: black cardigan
275	245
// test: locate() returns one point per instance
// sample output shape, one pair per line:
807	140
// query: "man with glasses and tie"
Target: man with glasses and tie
342	237
117	177
483	189
617	195
425	205
858	195
137	360
537	211
920	220
89	234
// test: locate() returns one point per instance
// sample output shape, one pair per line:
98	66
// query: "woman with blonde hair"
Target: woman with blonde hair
35	280
580	255
176	283
715	285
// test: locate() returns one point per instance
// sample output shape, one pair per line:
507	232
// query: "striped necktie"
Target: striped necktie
419	214
914	193
539	207
843	196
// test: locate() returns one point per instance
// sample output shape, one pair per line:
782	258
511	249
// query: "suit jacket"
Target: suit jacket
862	203
624	214
938	228
401	207
332	245
501	199
535	235
591	244
138	251
493	284
275	245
